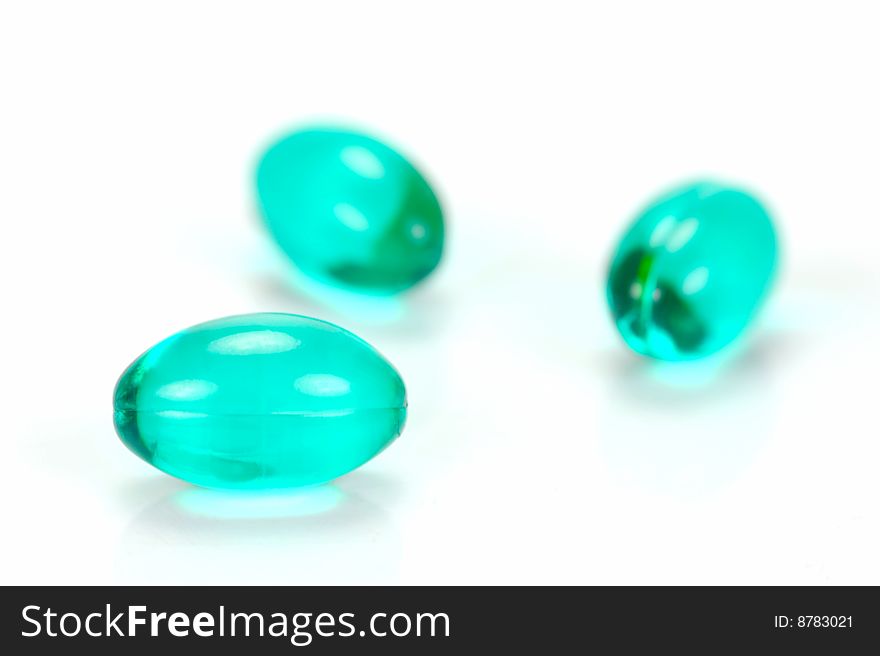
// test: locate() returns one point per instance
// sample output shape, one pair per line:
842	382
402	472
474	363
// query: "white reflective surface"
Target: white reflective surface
537	449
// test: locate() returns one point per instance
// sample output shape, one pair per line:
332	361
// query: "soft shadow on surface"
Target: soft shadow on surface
669	384
691	429
414	314
336	531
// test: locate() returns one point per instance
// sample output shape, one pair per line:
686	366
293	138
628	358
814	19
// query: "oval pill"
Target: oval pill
259	401
691	271
349	210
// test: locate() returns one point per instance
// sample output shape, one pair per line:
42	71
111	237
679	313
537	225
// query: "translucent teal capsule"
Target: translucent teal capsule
350	211
691	271
259	401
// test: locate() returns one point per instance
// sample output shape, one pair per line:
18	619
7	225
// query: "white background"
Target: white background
538	450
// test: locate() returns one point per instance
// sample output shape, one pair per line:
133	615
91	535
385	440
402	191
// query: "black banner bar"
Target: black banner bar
408	620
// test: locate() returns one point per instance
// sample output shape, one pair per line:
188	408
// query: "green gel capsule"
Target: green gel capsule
350	211
691	271
259	401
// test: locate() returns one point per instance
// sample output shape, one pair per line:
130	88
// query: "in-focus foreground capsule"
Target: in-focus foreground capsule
691	271
349	210
259	401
